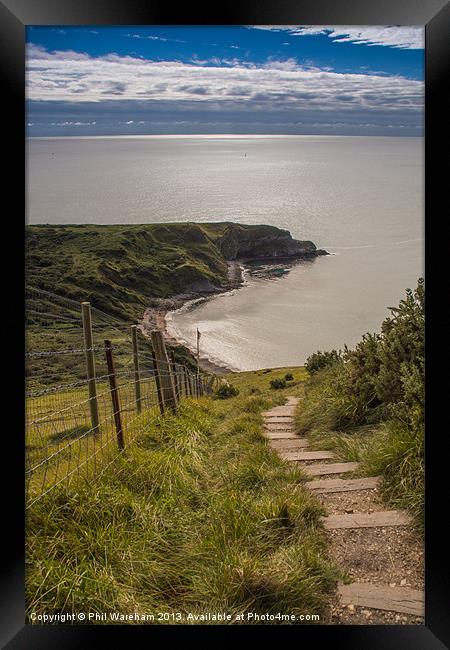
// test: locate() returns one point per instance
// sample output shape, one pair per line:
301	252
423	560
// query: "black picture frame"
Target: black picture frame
15	15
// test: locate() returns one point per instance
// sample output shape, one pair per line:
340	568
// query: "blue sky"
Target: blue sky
344	80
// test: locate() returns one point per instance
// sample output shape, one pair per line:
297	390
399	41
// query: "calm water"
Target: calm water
361	198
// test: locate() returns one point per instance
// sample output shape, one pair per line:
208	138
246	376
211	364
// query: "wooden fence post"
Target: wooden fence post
137	377
179	376
157	381
187	391
90	366
164	370
114	395
175	375
192	385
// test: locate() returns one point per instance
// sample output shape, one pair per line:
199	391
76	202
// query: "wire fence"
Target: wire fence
93	386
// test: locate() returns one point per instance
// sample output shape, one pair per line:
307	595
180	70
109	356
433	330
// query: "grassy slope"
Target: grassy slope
199	516
118	268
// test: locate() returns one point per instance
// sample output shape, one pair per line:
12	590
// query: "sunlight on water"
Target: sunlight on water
361	198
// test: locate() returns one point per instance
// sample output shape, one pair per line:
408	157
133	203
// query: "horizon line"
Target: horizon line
221	135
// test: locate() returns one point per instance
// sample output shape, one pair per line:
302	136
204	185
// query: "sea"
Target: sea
360	198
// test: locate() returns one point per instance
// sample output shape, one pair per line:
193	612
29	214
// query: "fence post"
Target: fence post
175	376
187	391
137	377
164	371
158	381
179	380
192	385
114	395
90	365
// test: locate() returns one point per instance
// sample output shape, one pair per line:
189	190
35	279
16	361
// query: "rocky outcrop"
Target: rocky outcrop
263	242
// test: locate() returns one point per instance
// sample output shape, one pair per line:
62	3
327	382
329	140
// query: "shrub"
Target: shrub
320	360
289	376
226	391
381	381
278	383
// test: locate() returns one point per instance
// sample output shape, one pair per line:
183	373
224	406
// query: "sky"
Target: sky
144	80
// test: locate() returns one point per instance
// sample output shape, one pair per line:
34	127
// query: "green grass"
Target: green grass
199	515
120	268
388	449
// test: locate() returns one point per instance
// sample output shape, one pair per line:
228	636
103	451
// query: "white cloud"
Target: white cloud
408	38
152	37
71	123
75	77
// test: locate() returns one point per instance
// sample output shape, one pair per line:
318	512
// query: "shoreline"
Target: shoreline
155	317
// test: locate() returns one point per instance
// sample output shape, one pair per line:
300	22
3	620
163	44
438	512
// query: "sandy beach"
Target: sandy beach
155	317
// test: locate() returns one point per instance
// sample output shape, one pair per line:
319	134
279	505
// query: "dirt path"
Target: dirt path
378	550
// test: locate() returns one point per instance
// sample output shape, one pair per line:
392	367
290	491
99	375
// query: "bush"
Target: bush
320	360
289	376
380	382
225	391
278	383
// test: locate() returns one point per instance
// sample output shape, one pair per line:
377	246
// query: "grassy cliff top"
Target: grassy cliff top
120	268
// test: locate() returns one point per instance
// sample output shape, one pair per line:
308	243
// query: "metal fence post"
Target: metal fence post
137	378
164	370
114	395
90	365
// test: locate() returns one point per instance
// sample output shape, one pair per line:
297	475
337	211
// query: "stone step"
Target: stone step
307	455
393	599
323	486
288	445
281	435
280	410
367	520
322	469
283	419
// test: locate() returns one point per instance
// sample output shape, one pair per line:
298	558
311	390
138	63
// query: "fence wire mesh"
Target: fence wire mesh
64	442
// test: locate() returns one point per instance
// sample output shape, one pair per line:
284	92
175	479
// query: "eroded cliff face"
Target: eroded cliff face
263	242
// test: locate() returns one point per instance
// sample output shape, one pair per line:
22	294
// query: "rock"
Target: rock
263	242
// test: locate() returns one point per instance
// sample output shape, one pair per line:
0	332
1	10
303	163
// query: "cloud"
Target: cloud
68	76
152	37
70	123
407	38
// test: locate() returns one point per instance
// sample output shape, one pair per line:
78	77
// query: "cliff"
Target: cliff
125	269
263	242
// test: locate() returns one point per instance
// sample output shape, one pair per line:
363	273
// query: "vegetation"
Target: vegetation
200	515
289	376
278	383
119	268
320	360
226	390
369	404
